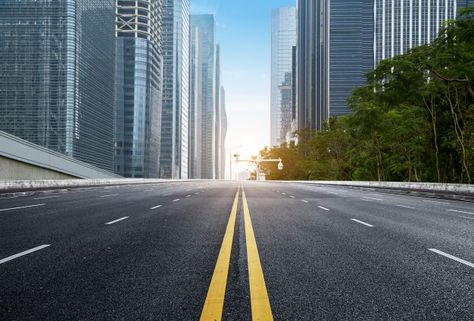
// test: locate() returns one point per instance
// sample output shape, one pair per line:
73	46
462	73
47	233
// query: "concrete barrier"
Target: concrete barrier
12	186
463	192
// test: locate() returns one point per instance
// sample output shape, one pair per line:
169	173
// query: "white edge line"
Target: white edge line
118	220
404	206
462	212
155	207
449	256
372	199
323	208
360	222
24	253
45	197
21	207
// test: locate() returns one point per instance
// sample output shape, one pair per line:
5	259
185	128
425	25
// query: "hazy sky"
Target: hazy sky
243	30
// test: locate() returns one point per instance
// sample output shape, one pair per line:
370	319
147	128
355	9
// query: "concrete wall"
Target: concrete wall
24	160
13	169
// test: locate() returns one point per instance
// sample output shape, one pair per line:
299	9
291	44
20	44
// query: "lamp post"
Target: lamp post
258	161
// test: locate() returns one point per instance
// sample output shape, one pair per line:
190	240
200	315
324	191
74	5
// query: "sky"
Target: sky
243	31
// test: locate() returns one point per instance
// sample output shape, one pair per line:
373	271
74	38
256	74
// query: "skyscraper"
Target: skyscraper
341	40
56	75
175	115
218	117
138	87
283	39
222	134
203	97
401	25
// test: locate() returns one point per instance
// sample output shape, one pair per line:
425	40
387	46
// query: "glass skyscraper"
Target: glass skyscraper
138	88
203	97
175	115
56	75
283	39
401	25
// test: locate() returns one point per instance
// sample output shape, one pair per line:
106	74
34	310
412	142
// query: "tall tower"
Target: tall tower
175	115
56	80
138	87
283	39
203	97
401	25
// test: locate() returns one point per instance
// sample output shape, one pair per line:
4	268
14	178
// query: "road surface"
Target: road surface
236	251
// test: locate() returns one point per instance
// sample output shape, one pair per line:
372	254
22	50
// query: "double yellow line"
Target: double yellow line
260	303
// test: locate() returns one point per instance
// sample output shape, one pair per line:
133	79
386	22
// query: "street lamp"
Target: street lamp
280	166
258	161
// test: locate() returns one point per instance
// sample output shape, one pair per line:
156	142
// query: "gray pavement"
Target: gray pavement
148	252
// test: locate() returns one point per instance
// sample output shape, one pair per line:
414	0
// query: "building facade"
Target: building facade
283	39
139	65
339	41
222	134
401	25
203	97
56	67
174	154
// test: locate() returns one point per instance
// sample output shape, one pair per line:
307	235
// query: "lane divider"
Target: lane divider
452	257
260	303
214	304
5	260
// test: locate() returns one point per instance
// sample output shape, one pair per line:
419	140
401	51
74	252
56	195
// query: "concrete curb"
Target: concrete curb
461	192
13	186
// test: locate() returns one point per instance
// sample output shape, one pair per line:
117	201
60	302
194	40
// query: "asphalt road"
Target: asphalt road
236	250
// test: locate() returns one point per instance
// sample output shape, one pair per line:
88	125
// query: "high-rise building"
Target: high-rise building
175	116
138	87
203	97
339	41
283	39
222	134
218	117
401	25
56	75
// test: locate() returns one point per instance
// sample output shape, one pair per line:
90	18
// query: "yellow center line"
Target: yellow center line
213	307
261	310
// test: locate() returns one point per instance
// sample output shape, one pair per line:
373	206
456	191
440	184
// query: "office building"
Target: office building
203	97
138	88
283	35
401	25
222	134
174	154
56	76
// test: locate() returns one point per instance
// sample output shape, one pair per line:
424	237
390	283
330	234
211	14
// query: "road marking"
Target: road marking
187	196
449	256
304	201
155	207
360	222
24	253
291	196
278	191
430	201
371	199
148	190
109	195
469	218
120	219
323	208
260	303
283	193
45	198
404	206
21	207
462	212
197	193
176	200
214	303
